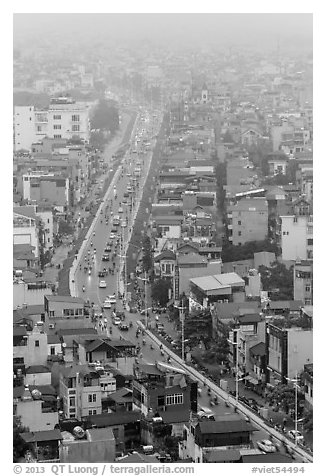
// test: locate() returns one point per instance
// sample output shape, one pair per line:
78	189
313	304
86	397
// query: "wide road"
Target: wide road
150	351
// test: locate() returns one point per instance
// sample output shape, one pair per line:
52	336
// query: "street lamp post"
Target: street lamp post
182	319
295	382
237	369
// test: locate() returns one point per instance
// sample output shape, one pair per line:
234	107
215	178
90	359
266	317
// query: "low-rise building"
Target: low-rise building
248	221
65	312
206	290
37	410
44	446
98	445
80	391
202	437
288	349
303	281
162	387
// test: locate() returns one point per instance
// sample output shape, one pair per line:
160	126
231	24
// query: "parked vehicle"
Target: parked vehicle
267	446
102	284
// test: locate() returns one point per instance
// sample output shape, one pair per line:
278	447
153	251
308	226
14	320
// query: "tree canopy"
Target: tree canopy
106	117
160	291
278	280
246	251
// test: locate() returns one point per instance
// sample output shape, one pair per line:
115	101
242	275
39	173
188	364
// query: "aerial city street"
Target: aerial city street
162	243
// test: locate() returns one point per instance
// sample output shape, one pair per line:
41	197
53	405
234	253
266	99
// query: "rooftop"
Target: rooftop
225	426
35	436
111	419
218	281
71	299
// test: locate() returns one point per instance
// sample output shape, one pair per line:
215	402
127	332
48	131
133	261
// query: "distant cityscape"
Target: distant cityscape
162	252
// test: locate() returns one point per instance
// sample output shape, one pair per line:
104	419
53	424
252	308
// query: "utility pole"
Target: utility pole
182	309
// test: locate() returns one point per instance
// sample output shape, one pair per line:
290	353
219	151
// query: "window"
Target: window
75	118
18	360
57	136
310	241
239	233
57	126
51	313
37	343
57	117
160	401
72	401
176	399
52	350
92	397
239	222
308	288
75	128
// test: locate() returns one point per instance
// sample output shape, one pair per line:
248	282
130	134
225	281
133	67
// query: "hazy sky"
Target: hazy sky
235	27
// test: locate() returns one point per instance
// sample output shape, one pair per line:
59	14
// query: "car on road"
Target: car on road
120	210
107	249
112	235
123	223
293	434
106	257
267	446
123	327
107	304
205	413
112	299
116	321
102	284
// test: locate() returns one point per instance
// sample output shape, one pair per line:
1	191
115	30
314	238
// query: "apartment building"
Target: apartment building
25	228
47	187
288	350
303	281
64	118
162	387
297	237
248	221
80	391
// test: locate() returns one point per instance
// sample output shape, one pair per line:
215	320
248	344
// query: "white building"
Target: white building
25	230
64	119
297	237
46	217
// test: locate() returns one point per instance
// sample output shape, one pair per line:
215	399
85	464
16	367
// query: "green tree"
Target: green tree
160	291
278	280
105	117
246	251
19	446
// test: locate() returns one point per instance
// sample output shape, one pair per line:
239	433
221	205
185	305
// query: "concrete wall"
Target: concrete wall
300	350
38	379
294	237
89	451
32	417
23	295
185	274
33	355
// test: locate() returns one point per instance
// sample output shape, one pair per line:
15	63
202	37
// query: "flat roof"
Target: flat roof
55	298
218	281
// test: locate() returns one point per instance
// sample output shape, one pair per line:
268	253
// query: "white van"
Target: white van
206	413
